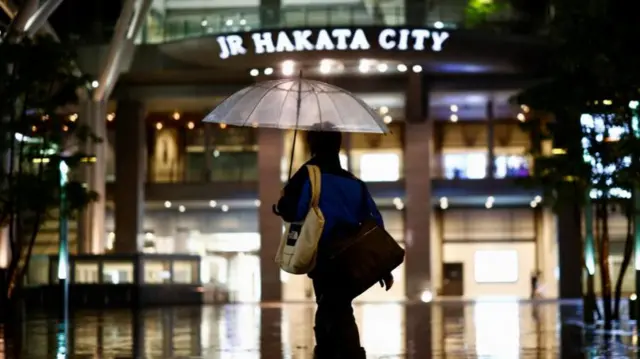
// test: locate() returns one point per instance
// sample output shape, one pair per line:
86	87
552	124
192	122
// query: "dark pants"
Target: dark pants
336	329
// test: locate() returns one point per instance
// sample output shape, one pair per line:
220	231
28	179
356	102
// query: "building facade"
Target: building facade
445	178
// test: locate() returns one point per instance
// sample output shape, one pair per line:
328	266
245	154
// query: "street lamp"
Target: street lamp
63	263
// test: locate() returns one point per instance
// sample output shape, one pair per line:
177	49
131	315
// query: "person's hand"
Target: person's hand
387	282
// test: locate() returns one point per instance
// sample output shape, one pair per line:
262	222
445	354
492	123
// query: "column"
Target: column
491	156
415	13
131	168
91	231
181	241
207	153
270	12
417	148
569	240
270	144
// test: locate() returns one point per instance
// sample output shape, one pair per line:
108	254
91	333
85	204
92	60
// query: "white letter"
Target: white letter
404	37
224	49
384	41
342	35
263	43
438	40
419	35
301	39
324	41
235	45
359	41
284	44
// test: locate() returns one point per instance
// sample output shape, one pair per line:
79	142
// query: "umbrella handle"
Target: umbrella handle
293	149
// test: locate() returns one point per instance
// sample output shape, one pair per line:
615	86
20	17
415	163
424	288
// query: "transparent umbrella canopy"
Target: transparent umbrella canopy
298	104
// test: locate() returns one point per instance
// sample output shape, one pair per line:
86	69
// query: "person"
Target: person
341	202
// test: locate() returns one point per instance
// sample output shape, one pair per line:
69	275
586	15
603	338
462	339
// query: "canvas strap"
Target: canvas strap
315	179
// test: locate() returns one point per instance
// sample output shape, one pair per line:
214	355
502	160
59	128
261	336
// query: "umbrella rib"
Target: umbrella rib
284	101
337	110
266	92
318	102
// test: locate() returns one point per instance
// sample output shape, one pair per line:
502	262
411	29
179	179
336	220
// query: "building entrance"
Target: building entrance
453	279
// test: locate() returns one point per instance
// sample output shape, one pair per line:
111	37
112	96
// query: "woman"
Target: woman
341	202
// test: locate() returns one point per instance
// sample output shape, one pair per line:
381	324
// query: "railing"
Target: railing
171	27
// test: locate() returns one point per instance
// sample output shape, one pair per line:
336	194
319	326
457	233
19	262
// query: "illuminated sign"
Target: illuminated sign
334	39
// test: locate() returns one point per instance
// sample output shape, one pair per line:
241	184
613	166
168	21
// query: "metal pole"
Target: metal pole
63	265
633	105
589	258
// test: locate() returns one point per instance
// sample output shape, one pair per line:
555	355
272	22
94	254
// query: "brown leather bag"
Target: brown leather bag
359	261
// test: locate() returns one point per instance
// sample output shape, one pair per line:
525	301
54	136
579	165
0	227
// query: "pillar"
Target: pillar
181	241
270	144
417	153
491	156
270	12
415	13
569	240
91	231
131	168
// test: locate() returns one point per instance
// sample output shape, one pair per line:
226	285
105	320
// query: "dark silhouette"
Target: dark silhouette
341	202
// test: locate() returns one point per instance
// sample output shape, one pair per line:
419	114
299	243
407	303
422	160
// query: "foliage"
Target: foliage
591	70
39	84
479	12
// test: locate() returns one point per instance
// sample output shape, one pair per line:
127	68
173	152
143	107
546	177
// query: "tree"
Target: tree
591	75
39	84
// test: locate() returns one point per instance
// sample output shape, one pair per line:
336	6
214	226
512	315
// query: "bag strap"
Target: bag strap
315	178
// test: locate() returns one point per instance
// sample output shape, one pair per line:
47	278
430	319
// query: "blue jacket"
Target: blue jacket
341	198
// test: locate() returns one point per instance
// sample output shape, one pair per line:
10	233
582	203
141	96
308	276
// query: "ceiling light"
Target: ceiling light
438	24
191	125
454	108
167	204
364	66
387	119
400	206
229	22
397	200
243	22
203	23
254	72
111	116
402	67
488	205
521	117
73	117
213	204
176	115
417	68
224	208
490	199
325	66
453	118
533	204
384	110
181	208
383	67
538	199
525	108
268	71
95	84
288	67
159	126
444	203
257	203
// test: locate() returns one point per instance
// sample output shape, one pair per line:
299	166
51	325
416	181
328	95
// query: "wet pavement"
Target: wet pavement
501	329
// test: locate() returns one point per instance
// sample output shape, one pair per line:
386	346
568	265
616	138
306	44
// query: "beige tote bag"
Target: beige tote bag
299	243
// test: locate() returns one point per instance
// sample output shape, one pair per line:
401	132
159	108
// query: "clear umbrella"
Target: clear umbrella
298	104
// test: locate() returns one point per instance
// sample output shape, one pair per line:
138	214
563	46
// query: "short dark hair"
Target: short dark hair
324	139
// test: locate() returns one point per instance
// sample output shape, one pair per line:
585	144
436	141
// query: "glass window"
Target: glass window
157	272
86	272
496	266
117	272
234	165
379	167
185	272
465	165
511	166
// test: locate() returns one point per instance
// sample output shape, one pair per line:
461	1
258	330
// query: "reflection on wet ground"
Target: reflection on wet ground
503	330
